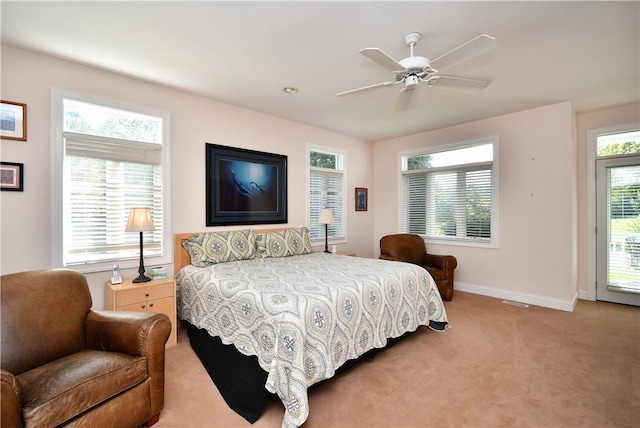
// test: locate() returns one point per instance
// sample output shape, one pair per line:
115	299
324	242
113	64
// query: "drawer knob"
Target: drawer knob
146	295
142	307
151	305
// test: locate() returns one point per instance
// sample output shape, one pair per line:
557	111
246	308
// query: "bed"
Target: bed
268	315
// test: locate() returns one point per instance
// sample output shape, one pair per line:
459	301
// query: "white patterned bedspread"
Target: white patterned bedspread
304	316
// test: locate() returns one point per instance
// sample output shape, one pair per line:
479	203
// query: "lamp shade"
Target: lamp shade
140	220
326	216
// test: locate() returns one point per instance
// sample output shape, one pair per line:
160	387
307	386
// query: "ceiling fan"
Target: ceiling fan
414	70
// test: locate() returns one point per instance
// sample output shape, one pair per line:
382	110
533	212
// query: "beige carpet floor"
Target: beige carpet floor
497	366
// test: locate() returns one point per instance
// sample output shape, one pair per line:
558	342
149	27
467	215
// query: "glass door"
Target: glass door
618	229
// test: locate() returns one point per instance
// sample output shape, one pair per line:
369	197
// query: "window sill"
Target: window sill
461	243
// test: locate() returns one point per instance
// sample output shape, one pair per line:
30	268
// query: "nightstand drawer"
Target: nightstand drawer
162	306
133	295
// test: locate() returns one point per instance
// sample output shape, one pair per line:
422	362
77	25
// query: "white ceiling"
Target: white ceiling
244	53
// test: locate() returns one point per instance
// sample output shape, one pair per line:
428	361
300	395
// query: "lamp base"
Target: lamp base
326	238
141	276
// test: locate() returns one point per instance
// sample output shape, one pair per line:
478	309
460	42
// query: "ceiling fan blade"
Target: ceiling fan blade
457	83
402	103
382	58
366	88
465	51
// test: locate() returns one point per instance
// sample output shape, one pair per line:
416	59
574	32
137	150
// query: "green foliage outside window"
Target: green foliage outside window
323	160
627	148
126	128
419	162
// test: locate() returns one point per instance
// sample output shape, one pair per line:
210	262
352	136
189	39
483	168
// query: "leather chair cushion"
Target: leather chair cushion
409	248
33	330
60	390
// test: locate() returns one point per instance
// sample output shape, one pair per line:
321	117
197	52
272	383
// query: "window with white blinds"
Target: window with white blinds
112	161
326	190
449	195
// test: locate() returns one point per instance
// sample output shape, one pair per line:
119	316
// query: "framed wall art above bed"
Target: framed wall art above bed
245	186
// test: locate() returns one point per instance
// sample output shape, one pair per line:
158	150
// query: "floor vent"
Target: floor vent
512	303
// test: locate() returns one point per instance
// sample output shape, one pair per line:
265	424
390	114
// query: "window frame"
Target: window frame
456	241
343	200
57	184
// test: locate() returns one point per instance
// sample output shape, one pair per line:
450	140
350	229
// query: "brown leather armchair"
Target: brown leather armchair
63	364
405	247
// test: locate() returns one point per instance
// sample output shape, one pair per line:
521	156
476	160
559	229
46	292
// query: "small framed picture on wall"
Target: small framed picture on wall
362	198
13	121
11	176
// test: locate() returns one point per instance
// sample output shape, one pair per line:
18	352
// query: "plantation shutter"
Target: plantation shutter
478	204
414	203
103	179
326	192
448	202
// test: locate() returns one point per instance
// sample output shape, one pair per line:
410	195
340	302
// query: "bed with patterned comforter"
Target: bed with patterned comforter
304	316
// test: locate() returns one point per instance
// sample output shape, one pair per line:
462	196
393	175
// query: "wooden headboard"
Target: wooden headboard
181	257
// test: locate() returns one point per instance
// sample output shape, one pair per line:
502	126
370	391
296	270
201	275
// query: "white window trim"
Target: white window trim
329	150
57	162
493	139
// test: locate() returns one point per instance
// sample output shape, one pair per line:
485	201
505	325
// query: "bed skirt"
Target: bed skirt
240	379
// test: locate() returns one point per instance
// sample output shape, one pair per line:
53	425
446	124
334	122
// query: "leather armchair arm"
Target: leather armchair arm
392	258
11	397
134	333
446	263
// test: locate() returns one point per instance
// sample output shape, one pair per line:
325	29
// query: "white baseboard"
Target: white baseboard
563	305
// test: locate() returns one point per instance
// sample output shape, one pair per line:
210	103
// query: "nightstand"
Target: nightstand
346	253
153	296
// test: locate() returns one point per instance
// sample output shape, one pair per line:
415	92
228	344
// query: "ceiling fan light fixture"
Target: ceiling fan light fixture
411	82
289	90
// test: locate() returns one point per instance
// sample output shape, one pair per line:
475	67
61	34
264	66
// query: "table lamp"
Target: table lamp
326	218
140	220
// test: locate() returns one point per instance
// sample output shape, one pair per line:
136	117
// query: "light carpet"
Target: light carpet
497	366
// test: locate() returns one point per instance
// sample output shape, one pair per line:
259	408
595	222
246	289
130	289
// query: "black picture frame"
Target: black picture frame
245	186
11	176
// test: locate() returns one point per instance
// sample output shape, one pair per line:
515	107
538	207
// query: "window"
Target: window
108	159
623	143
326	190
450	195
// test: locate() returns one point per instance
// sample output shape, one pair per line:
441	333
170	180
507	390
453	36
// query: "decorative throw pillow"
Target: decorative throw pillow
209	248
283	243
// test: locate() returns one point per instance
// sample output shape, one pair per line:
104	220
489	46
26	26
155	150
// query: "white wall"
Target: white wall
25	217
535	261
